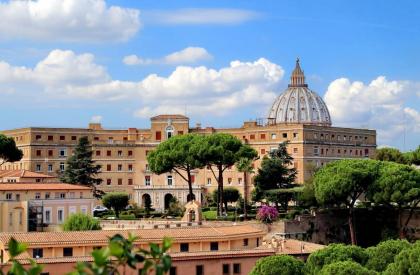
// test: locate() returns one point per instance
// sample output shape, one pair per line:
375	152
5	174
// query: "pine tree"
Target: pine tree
81	169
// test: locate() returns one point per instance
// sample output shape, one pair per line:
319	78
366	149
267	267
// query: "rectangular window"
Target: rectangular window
130	181
47	195
108	153
108	167
273	136
239	181
62	166
37	195
10	218
38	153
262	136
37	253
50	138
193	179
295	150
119	153
252	137
98	153
119	181
47	216
199	270
62	138
229	180
147	180
73	138
96	138
169	180
366	152
9	196
38	137
62	195
18	197
246	242
184	247
262	151
62	152
208	181
315	136
60	215
130	167
108	181
38	168
316	151
172	271
119	167
295	135
130	153
50	167
50	153
67	251
226	269
158	135
236	268
214	246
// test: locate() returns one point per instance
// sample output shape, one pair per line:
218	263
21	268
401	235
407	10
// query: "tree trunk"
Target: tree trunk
220	180
410	215
245	195
191	196
351	227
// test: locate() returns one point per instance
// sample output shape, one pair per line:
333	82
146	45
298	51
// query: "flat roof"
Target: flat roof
20	186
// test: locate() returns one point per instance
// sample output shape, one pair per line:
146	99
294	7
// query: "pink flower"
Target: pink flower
267	214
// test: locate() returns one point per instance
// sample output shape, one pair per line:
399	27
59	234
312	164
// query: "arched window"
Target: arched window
169	132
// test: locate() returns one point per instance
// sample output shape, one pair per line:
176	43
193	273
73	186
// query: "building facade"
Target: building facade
298	116
41	206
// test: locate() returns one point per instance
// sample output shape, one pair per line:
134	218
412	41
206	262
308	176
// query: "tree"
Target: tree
8	150
383	254
230	194
398	185
346	268
274	175
147	205
220	152
413	157
406	262
267	214
390	154
244	165
278	264
175	208
334	253
81	222
342	182
81	169
116	200
178	154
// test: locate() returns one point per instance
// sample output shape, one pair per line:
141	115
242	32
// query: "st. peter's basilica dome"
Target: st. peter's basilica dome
298	104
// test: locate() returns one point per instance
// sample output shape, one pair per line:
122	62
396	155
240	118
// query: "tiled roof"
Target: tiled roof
169	117
18	186
35	239
22	174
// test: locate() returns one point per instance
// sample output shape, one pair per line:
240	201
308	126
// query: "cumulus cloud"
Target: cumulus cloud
199	89
200	16
70	20
188	55
96	119
381	104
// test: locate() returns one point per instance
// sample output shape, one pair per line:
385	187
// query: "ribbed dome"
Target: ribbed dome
298	104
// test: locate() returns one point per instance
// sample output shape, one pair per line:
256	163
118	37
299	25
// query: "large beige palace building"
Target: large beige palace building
298	115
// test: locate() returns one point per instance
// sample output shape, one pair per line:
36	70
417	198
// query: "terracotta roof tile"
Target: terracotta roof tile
35	239
18	186
22	174
175	116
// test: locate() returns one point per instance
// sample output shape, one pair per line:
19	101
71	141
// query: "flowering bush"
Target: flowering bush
267	214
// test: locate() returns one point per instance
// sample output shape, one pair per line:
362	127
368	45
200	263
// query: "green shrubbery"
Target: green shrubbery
81	222
278	264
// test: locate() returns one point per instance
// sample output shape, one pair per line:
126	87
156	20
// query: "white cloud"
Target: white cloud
200	16
188	55
382	105
67	20
96	119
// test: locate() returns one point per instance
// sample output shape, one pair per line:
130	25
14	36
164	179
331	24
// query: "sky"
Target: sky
65	63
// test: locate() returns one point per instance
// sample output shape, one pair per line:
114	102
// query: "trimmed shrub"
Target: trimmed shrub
383	254
81	222
346	268
278	264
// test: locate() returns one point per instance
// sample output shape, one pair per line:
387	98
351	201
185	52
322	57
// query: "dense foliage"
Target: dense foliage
120	254
8	150
407	262
118	201
81	222
179	154
278	264
394	155
345	268
230	194
81	169
383	254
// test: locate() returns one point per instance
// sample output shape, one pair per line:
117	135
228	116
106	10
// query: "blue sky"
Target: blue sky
221	62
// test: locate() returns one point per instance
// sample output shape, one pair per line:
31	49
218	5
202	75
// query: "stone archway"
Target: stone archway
168	198
144	198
